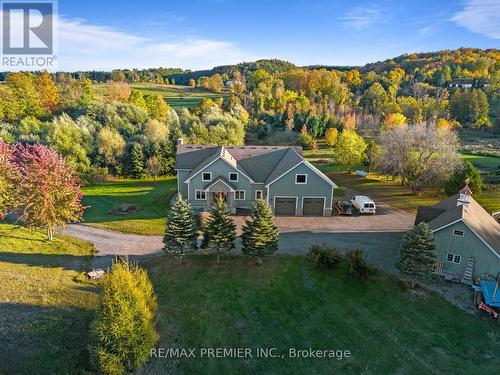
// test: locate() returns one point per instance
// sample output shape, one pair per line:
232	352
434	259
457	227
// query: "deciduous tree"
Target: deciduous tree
350	149
49	194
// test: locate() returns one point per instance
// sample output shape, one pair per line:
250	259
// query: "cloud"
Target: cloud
480	16
85	46
425	32
361	17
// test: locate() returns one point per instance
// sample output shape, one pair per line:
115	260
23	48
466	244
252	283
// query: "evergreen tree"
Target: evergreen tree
123	331
180	233
260	234
137	161
220	232
468	175
416	257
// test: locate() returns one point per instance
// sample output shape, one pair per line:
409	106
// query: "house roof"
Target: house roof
260	163
472	214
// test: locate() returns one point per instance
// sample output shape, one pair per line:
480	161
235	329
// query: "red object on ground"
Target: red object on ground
485	307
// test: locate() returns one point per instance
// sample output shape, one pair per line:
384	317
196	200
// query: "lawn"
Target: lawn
150	198
177	96
379	187
44	312
285	303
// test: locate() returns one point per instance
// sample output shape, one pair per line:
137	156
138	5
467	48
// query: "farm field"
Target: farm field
44	313
145	203
285	303
177	96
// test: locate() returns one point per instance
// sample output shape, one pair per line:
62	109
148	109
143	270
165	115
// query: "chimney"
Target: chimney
180	141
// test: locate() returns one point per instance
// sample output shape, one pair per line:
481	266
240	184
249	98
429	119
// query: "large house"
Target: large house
242	174
467	238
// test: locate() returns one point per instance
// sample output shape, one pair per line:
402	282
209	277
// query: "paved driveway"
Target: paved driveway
387	219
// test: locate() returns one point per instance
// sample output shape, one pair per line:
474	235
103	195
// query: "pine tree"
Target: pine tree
416	254
137	161
123	331
180	233
220	232
260	234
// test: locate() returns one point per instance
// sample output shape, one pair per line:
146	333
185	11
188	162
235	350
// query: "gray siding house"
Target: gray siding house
467	238
242	174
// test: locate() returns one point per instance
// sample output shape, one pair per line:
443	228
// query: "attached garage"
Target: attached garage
285	206
313	206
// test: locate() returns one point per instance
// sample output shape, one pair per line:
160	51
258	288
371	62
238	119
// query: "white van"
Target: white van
364	204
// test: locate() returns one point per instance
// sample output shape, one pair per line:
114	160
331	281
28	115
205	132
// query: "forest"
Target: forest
128	132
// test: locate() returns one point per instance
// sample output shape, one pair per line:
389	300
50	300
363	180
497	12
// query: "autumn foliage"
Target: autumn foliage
37	183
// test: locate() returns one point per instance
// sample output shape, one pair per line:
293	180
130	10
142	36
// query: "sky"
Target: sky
200	34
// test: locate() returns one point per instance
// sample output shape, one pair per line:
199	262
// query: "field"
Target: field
379	187
44	312
177	96
285	303
148	198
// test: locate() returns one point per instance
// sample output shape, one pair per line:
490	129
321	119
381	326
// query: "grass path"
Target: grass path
151	198
44	313
387	328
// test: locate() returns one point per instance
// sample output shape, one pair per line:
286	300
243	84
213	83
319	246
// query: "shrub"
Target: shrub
358	267
123	331
305	139
323	256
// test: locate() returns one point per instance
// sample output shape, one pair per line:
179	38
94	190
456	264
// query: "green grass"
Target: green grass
152	198
177	96
379	187
387	328
482	162
44	313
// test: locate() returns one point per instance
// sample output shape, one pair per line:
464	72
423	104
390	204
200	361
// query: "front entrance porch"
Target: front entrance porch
220	189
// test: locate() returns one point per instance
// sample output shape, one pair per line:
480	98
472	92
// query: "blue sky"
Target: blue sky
201	34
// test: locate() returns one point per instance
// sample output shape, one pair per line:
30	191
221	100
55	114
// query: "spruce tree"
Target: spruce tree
416	257
180	231
137	161
260	234
220	231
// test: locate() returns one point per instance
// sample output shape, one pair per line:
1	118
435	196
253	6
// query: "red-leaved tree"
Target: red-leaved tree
7	178
49	194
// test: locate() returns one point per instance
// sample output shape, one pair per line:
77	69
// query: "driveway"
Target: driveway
387	219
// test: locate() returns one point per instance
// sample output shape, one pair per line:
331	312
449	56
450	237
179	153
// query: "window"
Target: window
301	179
457	232
258	194
453	258
207	176
233	176
201	195
239	195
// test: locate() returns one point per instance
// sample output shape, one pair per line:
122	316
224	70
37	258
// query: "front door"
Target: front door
218	195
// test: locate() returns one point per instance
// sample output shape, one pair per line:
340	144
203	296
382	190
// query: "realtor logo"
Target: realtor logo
27	28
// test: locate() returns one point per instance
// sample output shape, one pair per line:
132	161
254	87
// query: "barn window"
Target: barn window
457	232
457	259
207	176
449	257
233	176
301	179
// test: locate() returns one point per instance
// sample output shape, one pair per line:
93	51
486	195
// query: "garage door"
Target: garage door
313	206
285	206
